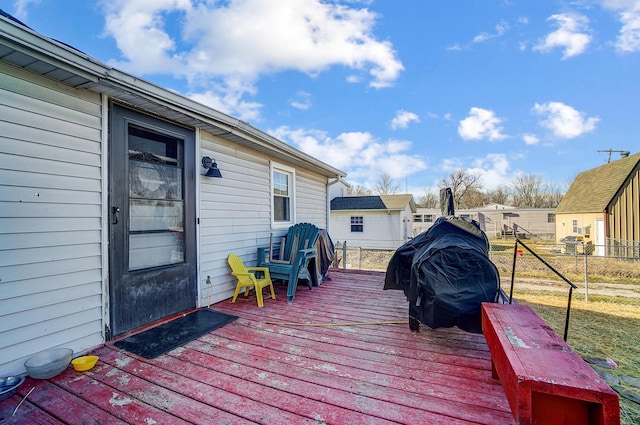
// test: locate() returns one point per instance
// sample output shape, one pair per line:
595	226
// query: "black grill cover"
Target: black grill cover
446	274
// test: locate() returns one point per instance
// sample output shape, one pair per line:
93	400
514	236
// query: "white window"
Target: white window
357	224
574	225
283	195
428	218
417	218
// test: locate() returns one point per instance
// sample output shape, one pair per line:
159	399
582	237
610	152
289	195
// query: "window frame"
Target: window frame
291	173
358	223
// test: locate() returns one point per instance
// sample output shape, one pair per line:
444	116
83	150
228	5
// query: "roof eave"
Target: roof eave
99	77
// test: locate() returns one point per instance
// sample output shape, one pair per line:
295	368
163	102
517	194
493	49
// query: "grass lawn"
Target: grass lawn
604	327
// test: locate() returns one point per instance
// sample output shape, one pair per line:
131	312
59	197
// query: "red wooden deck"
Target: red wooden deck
261	369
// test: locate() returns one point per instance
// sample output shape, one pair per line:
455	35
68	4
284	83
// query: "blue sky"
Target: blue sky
413	88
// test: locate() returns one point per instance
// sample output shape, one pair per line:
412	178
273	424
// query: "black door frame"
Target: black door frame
164	290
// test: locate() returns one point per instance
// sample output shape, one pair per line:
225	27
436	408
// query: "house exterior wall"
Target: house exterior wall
381	229
51	288
338	189
624	211
423	219
235	212
586	225
53	233
530	221
536	221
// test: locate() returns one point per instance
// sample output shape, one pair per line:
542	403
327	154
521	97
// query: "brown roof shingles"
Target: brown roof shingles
593	190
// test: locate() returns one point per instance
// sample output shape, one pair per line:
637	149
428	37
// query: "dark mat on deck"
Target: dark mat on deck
173	334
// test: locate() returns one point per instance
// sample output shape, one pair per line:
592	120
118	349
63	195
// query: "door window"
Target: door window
156	201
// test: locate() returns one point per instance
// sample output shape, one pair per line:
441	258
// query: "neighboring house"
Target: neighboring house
603	206
107	219
379	221
338	188
531	222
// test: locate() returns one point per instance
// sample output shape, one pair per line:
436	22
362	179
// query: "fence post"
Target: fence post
586	279
344	255
359	258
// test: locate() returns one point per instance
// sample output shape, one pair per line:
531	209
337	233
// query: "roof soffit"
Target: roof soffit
27	49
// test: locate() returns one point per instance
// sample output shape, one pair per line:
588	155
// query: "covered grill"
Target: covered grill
445	274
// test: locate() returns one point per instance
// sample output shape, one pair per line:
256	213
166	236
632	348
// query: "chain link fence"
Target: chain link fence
615	275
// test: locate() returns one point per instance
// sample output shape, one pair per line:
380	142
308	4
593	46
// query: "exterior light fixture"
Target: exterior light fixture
212	167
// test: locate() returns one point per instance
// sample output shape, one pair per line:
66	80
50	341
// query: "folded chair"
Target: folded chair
290	259
247	279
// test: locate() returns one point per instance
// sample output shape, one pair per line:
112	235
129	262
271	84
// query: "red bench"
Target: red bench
544	380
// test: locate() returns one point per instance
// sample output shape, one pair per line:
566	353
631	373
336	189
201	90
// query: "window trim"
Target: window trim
359	221
281	168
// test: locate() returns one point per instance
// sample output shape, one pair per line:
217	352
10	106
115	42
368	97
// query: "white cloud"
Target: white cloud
20	8
629	38
501	28
302	100
403	119
564	121
493	170
481	124
530	139
571	35
360	154
629	14
230	101
242	40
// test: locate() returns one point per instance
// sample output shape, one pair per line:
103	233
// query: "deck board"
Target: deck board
268	367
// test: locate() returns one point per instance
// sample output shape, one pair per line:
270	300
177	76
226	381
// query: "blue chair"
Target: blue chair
289	260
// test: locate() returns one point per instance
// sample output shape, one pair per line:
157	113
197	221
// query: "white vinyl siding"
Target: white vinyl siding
235	211
381	229
311	198
50	218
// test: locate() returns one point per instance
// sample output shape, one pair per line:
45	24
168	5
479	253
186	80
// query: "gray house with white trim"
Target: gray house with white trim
108	221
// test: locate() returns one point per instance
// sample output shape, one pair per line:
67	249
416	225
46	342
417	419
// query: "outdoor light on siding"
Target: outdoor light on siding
212	167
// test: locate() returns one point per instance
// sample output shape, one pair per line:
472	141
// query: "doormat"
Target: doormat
156	341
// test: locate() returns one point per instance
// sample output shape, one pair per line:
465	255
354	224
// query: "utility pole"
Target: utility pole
623	154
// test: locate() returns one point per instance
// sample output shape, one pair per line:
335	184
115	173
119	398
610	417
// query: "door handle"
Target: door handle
114	215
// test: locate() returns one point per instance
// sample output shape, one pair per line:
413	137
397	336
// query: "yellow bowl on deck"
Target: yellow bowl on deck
84	363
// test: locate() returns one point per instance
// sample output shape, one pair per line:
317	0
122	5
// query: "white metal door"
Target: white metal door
599	240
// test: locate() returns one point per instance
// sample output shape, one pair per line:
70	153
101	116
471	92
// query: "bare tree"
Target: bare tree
385	185
499	195
528	191
473	198
462	182
555	193
357	190
428	200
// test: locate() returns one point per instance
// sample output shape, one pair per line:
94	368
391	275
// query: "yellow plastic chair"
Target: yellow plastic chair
247	279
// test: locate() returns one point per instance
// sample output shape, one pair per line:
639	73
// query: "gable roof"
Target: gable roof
373	202
27	49
593	190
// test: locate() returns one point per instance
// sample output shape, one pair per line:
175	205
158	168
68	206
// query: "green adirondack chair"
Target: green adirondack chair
289	260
